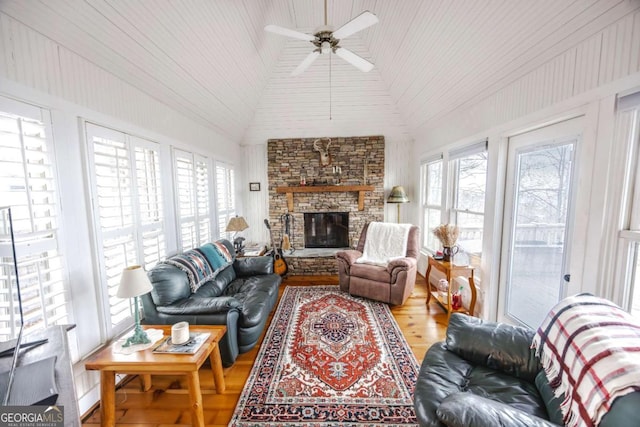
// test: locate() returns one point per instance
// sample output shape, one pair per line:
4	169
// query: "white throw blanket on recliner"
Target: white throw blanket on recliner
384	242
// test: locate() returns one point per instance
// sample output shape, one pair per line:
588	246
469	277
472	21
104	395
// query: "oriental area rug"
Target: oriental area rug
330	359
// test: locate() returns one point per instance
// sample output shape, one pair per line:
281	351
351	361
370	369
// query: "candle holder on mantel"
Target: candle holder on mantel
337	175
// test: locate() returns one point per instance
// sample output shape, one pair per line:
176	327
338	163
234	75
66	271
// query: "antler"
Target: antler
320	149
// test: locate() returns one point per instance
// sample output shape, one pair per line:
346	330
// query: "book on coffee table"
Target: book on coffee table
196	339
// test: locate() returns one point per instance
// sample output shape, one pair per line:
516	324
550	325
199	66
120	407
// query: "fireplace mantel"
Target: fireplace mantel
360	189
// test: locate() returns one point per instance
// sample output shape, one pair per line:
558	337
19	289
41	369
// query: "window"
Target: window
461	176
469	170
628	135
193	196
225	197
27	185
431	177
128	210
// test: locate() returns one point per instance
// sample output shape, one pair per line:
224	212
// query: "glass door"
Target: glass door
538	219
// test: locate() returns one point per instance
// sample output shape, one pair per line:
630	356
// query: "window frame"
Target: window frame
225	199
131	237
41	251
197	218
628	235
427	207
450	186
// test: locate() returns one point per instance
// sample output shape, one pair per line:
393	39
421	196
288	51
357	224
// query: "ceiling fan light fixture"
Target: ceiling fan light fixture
325	47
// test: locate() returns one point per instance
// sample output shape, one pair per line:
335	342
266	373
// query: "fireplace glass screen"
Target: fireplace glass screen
326	230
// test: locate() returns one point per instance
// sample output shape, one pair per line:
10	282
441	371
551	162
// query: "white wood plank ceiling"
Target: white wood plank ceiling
212	61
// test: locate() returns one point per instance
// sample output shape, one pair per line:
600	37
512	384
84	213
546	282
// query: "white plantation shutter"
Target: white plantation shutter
128	210
225	197
149	201
27	185
193	195
203	196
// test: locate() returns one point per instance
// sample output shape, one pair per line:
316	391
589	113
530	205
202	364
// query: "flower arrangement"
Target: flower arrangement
447	234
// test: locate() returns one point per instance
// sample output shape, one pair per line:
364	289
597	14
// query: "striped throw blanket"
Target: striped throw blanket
590	351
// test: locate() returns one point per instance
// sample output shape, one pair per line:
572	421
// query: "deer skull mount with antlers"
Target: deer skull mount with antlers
325	158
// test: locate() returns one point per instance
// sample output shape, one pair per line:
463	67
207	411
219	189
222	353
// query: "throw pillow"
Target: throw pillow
217	254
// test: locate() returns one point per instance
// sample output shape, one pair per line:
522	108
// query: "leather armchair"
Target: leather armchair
485	374
392	284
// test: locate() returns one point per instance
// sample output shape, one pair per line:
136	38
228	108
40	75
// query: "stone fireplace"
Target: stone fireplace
358	192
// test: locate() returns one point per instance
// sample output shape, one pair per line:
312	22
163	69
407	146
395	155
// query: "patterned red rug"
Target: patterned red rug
330	359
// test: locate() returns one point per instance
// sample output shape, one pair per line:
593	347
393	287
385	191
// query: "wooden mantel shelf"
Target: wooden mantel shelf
361	189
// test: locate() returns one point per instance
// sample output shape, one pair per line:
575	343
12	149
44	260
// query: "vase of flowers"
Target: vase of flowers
448	235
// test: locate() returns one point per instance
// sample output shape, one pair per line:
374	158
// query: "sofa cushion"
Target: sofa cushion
201	306
505	388
497	346
371	272
170	284
467	409
215	287
255	293
196	265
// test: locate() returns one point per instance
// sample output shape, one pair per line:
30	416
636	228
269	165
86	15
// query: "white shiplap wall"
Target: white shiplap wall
35	61
609	55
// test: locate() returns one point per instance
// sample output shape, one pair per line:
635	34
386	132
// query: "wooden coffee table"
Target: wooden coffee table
147	362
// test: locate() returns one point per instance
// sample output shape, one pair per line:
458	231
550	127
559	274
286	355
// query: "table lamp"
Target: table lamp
398	196
237	224
133	283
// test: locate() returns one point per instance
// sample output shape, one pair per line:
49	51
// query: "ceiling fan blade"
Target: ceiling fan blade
289	33
359	23
305	63
355	60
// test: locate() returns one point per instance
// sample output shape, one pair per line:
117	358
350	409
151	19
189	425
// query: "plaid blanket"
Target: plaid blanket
590	351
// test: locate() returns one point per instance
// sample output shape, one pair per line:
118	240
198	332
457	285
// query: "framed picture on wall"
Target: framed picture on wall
254	186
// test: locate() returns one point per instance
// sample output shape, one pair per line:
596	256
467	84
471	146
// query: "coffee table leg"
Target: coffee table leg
145	381
195	398
216	367
107	398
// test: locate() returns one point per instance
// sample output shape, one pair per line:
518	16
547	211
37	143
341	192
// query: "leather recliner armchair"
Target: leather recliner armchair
486	374
392	284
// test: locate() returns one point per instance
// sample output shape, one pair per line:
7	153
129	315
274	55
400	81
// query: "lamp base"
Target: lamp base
139	337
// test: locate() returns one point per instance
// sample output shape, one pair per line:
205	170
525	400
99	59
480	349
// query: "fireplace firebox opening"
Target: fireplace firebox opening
326	230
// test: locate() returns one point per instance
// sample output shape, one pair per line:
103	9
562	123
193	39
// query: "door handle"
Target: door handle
567	278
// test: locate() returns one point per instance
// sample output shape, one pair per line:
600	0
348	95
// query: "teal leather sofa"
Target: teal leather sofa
240	297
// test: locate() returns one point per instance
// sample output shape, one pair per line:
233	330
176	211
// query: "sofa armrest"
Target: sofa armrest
253	266
349	256
467	409
494	345
201	306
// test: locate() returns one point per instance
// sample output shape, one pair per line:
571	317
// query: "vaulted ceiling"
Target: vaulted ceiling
212	61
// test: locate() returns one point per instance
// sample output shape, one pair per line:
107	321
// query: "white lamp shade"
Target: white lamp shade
133	282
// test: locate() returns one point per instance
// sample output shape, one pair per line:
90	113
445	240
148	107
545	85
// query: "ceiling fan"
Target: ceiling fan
326	40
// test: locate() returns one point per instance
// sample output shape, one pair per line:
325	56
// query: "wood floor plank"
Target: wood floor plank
167	402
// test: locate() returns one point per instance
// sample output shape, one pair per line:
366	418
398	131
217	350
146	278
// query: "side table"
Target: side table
450	271
146	362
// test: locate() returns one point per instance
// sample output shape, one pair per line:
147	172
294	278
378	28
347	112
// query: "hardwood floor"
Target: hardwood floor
166	403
